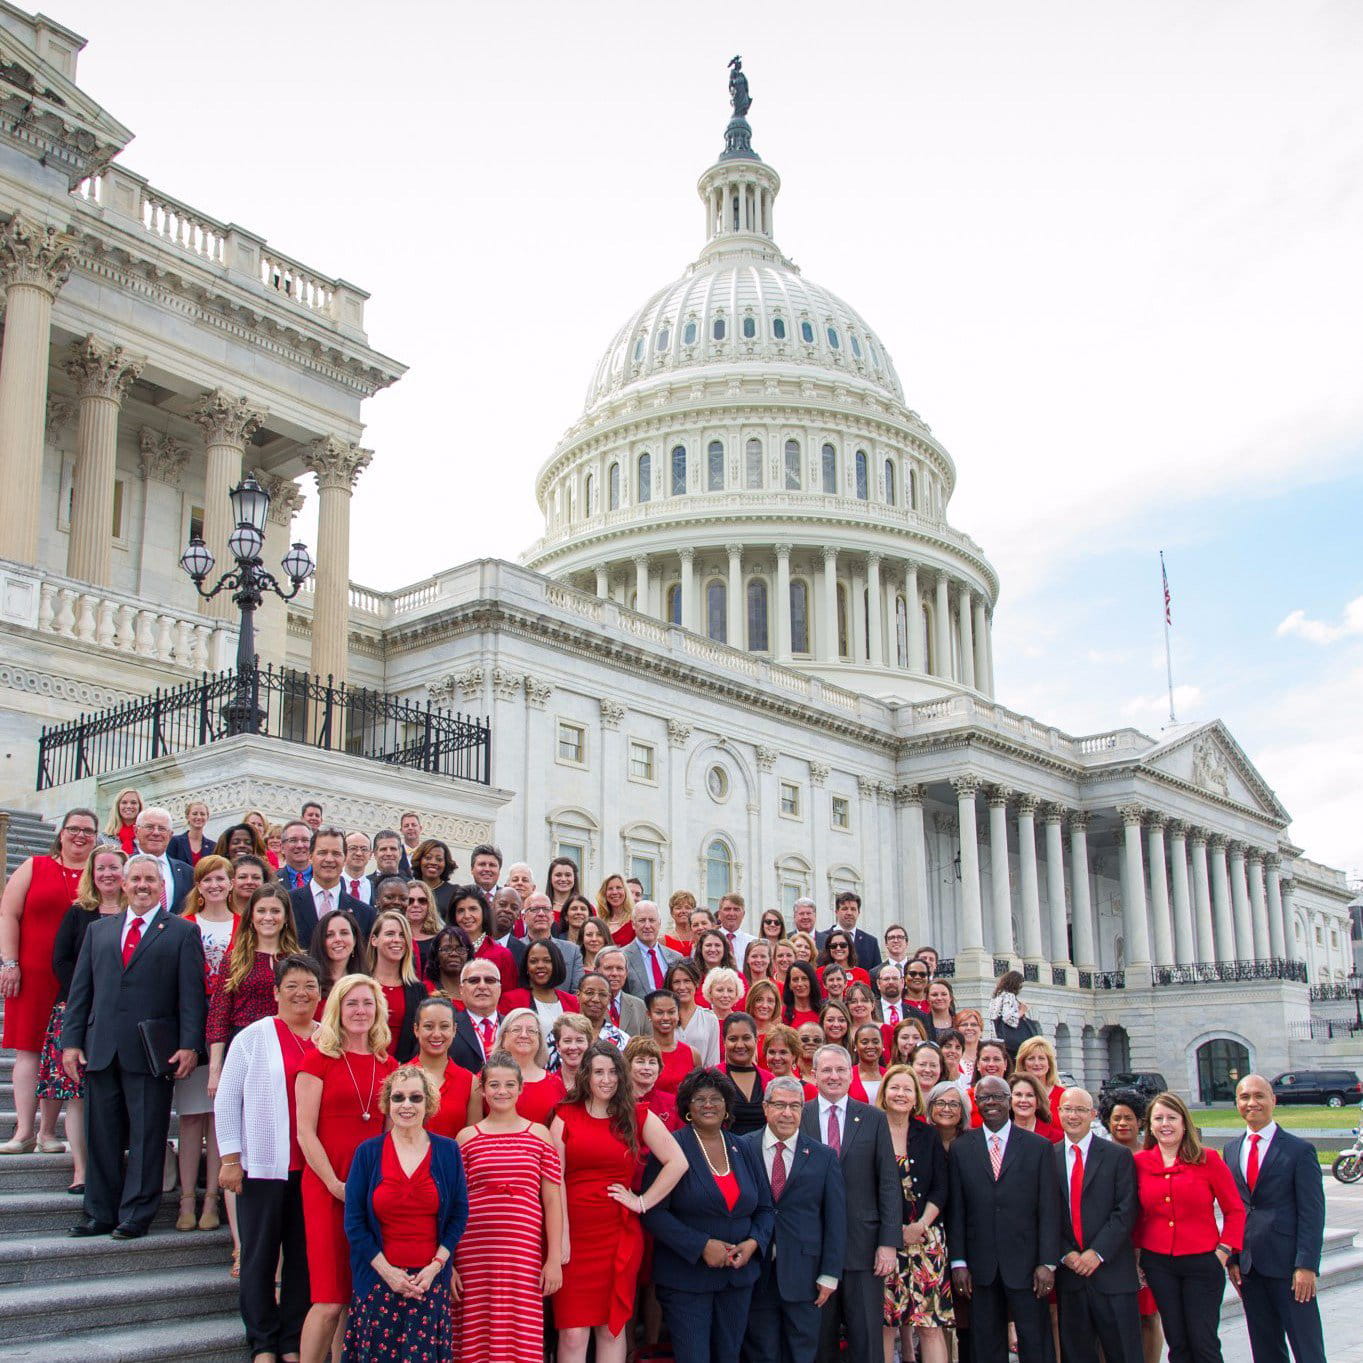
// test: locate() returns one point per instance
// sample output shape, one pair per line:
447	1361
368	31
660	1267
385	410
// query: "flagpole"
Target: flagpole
1168	648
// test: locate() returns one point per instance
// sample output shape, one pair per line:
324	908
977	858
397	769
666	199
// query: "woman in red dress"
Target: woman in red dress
35	901
1032	1109
839	948
598	1132
509	1257
522	1038
1036	1056
122	825
615	906
434	1026
678	1059
803	996
339	1106
395	969
470	910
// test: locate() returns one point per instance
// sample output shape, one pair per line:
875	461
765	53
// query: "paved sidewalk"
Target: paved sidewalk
1339	1314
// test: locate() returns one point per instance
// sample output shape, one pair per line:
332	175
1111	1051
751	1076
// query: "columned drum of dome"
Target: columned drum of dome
752	433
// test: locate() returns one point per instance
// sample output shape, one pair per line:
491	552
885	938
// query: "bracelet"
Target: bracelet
9	965
230	1159
640	1199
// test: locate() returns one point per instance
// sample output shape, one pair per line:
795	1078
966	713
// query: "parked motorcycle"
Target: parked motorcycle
1348	1167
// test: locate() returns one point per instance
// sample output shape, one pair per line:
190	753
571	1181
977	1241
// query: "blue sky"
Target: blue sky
1113	249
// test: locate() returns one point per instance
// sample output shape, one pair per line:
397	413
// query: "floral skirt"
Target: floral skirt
918	1292
385	1327
53	1081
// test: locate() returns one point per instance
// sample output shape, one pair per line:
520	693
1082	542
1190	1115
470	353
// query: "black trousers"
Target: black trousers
859	1304
125	1111
1188	1289
1090	1318
779	1331
990	1307
1276	1318
706	1327
270	1223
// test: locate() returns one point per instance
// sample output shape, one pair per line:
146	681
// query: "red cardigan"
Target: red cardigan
1176	1205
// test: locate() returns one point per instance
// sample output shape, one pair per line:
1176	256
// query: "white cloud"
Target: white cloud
1319	631
1186	698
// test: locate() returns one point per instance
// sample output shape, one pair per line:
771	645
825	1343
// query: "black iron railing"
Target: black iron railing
1229	972
285	704
1321	993
1031	972
1060	975
1324	1029
945	969
1001	965
1102	979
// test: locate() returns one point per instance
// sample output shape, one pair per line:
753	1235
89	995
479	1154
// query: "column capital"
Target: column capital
783	552
286	497
226	420
1256	854
909	795
163	457
830	554
1080	819
687	553
1054	814
1272	861
99	370
336	463
1132	815
641	560
612	712
1236	849
966	785
1217	842
1178	828
1157	820
1028	805
537	693
874	560
37	255
766	758
818	773
733	550
1198	837
866	787
998	796
678	733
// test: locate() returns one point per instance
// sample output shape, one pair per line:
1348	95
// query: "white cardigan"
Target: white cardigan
702	1032
251	1108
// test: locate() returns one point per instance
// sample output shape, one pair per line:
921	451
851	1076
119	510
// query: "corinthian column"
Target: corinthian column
227	423
1085	954
1258	906
1031	893
272	615
780	612
1280	938
913	611
1000	893
1202	899
336	464
688	587
1221	911
1054	821
875	614
34	263
736	615
1159	891
1239	898
102	374
828	624
972	913
942	619
1137	921
965	616
1185	943
979	633
910	802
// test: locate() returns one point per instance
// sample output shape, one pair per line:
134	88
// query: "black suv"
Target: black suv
1334	1088
1146	1082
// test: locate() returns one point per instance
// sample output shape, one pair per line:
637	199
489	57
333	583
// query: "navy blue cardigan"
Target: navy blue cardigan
362	1226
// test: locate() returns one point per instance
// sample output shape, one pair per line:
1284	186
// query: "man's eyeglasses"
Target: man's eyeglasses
778	1106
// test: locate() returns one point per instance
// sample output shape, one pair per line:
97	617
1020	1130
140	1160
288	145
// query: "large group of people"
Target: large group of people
494	1121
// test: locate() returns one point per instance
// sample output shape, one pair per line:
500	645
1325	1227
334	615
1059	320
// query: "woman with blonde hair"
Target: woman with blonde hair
1036	1056
424	920
614	905
918	1292
521	1036
804	947
395	971
569	1040
723	990
193	843
763	1005
970	1024
339	1100
121	827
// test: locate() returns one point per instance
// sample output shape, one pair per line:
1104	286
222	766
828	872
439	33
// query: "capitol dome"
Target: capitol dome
745	467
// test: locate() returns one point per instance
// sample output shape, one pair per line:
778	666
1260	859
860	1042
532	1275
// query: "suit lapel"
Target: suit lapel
1096	1155
852	1126
155	926
798	1155
707	1181
1009	1154
1232	1158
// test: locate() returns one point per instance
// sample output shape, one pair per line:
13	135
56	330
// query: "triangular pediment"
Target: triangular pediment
1209	759
45	110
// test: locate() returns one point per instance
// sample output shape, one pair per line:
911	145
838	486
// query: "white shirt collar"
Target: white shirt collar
145	917
769	1139
1081	1145
1265	1135
824	1105
1002	1133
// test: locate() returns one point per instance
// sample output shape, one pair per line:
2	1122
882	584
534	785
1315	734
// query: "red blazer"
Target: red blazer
520	998
505	962
1176	1214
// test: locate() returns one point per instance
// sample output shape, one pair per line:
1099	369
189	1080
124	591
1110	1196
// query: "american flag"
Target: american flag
1168	617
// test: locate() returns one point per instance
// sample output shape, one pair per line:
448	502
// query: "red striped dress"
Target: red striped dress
500	1318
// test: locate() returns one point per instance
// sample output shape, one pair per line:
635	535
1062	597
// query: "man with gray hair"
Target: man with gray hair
647	959
805	913
802	1268
153	832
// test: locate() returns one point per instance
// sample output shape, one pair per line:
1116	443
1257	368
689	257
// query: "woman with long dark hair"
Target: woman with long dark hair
802	996
561	884
470	910
697	1026
450	952
433	863
338	947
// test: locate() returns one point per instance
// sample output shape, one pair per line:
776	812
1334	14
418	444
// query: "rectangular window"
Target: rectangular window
641	761
790	892
196	522
572	743
790	800
572	851
641	868
841	812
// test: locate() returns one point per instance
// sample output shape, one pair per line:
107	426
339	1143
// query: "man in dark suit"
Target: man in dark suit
1278	1176
1003	1229
144	964
802	1269
1096	1279
860	1136
847	912
538	917
387	857
153	839
626	1011
476	1024
324	891
647	959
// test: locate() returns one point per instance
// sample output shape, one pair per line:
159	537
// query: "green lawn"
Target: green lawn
1291	1116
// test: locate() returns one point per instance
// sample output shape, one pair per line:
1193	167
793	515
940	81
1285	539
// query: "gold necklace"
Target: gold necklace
718	1173
365	1104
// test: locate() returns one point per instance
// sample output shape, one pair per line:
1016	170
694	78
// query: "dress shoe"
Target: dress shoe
77	1190
15	1146
125	1230
50	1145
88	1226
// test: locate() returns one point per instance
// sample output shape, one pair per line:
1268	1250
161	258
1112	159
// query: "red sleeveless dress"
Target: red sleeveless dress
51	892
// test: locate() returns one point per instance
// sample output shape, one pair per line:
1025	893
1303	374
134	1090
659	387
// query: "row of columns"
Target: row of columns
873	635
35	261
1233	907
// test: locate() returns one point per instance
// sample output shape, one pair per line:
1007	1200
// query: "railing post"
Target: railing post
203	710
80	749
156	745
328	701
427	754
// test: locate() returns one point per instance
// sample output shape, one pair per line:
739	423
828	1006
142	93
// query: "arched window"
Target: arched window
679	471
807	332
832	339
862	489
714	466
792	466
717	330
889	482
749	328
844	635
716	616
613	487
856	345
589	497
674	604
645	481
799	616
778	328
913	491
830	469
752	463
639	349
757	616
925	633
901	631
689	334
719	872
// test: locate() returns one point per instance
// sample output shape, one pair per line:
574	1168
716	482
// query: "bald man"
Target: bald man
1278	1176
1096	1281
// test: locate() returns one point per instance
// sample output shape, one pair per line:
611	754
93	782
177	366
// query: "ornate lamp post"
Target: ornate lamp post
248	583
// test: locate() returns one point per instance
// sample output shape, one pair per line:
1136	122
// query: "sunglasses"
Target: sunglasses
407	1098
918	974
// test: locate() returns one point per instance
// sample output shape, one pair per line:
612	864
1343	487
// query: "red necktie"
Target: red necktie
893	1019
486	1026
615	1013
135	936
995	1156
354	889
730	936
1252	1167
657	969
834	1135
163	898
778	1171
1077	1196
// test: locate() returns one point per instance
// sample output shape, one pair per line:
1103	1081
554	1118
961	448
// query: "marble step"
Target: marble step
210	1339
30	1214
46	1258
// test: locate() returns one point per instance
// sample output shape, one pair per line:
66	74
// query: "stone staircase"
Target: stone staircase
29	833
165	1297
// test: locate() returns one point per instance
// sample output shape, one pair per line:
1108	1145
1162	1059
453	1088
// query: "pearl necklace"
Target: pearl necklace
718	1173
